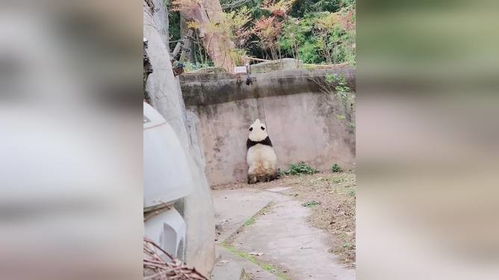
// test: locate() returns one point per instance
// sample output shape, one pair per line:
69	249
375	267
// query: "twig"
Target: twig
166	270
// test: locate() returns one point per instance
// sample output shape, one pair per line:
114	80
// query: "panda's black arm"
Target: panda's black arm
266	141
249	144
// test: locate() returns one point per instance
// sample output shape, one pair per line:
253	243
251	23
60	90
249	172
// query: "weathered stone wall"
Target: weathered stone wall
304	123
164	91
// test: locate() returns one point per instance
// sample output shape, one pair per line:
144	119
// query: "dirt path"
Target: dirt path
271	225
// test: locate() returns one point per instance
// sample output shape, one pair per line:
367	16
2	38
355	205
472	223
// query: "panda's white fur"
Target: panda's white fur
261	157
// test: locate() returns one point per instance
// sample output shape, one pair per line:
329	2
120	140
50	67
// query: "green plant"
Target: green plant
340	82
338	85
321	36
351	193
300	168
348	245
336	168
309	53
311	203
189	67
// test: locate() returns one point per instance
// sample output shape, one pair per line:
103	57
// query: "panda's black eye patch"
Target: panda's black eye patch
263	128
251	129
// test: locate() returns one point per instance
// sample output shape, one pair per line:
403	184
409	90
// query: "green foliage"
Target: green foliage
340	82
321	37
189	67
338	85
314	31
309	52
300	168
303	7
336	168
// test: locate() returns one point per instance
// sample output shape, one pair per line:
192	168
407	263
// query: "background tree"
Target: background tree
208	18
313	31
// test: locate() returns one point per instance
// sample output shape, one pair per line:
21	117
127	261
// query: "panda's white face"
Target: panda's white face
257	131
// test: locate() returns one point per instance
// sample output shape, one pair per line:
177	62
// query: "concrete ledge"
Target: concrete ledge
206	89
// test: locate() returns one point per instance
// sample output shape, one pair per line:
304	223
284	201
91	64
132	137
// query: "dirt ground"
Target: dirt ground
331	196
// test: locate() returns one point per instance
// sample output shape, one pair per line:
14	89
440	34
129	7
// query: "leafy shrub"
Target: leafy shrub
300	168
336	168
309	52
320	37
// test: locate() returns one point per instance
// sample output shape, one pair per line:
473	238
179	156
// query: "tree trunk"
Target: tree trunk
208	15
188	52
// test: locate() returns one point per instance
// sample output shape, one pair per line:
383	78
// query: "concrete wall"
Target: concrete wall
166	97
303	122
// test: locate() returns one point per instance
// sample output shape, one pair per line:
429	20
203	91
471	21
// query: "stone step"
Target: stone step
227	270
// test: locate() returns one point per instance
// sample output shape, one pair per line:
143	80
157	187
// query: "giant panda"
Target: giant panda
261	157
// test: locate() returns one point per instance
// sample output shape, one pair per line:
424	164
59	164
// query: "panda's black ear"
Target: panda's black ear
250	129
263	128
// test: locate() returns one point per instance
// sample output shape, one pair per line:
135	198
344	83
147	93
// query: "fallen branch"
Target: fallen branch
157	268
256	59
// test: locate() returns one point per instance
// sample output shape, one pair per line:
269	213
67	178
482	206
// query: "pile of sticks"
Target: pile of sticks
157	268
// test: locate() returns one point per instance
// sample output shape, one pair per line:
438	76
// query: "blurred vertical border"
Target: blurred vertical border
71	140
428	140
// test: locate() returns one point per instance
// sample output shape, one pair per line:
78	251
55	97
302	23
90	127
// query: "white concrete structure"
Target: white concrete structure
167	178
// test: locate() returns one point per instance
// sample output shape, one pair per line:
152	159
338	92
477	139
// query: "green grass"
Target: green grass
250	221
338	180
266	266
311	203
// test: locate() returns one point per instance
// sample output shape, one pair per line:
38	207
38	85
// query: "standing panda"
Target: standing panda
261	157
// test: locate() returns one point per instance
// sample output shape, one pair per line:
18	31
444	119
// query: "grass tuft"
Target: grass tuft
300	168
266	266
336	168
250	221
311	203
